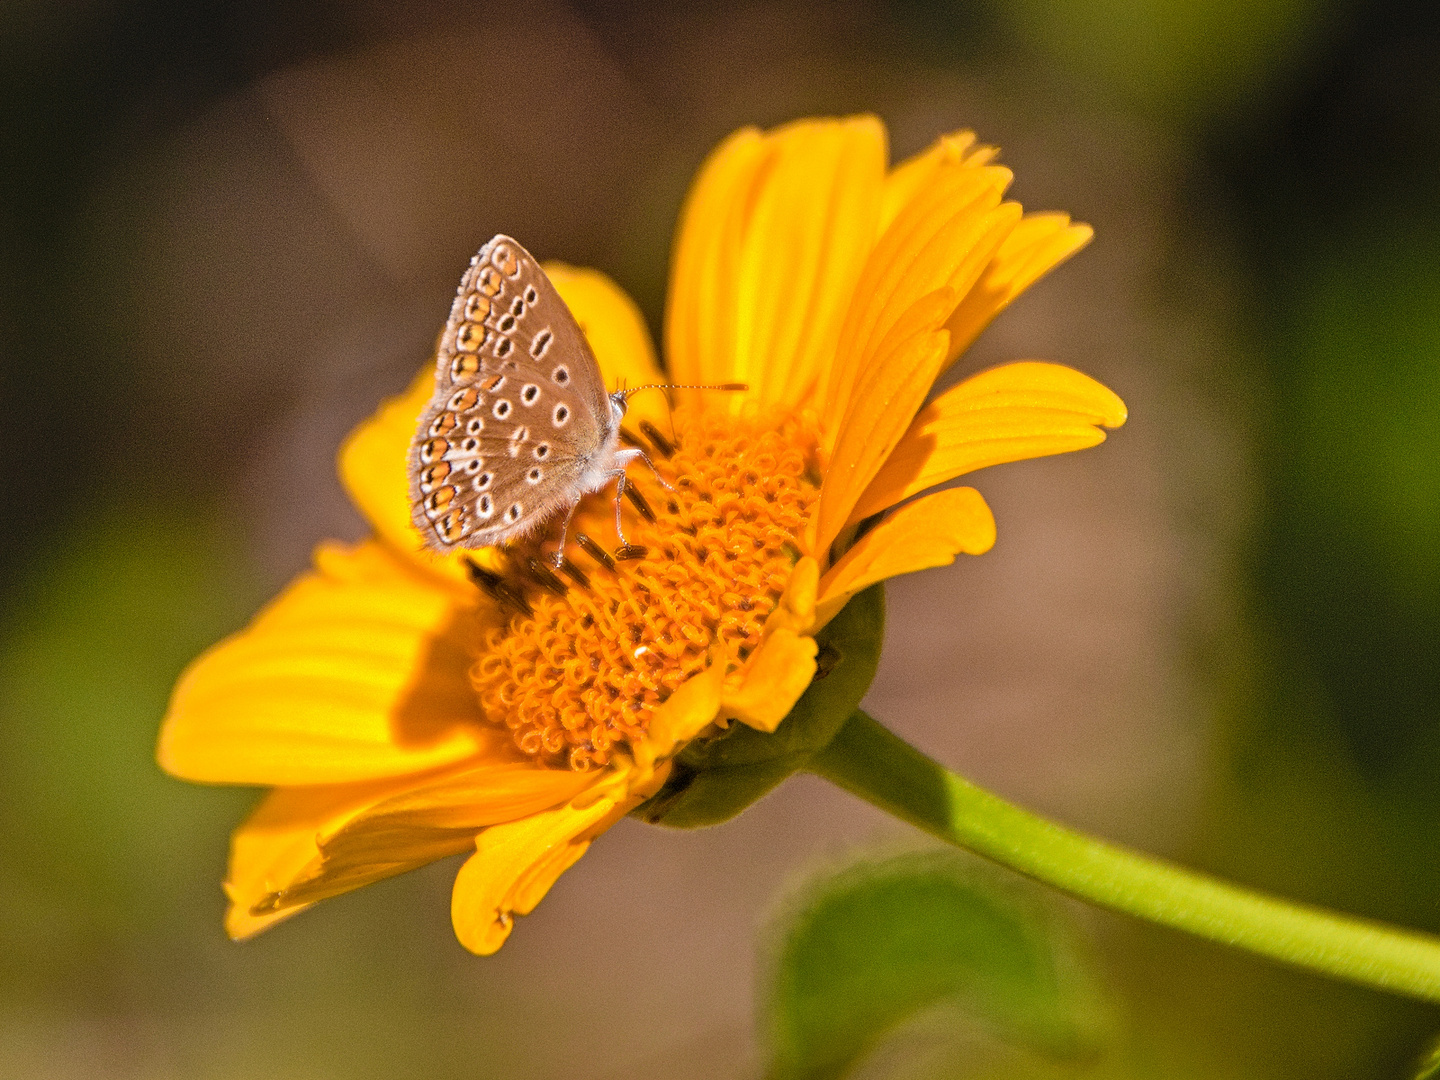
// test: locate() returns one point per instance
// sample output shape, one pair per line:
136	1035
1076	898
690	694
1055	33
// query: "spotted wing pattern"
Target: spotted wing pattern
519	408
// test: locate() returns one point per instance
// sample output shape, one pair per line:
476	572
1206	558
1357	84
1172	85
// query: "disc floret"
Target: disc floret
575	673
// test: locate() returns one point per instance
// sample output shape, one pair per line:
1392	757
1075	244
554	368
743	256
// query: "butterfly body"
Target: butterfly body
520	426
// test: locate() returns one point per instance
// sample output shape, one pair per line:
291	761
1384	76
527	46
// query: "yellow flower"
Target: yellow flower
405	707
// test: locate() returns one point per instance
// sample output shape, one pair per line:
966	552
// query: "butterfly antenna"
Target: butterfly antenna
729	386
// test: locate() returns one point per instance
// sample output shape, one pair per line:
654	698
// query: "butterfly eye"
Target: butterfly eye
560	415
486	506
561	375
541	343
440	499
474	465
482	482
502	349
534	475
477	307
517	308
531	295
452	526
505	325
505	259
489	281
501	409
542	451
529	394
469	337
513	514
475	426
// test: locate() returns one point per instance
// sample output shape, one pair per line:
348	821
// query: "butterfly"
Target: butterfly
520	427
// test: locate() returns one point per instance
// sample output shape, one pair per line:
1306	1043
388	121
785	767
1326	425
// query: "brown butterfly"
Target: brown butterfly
520	426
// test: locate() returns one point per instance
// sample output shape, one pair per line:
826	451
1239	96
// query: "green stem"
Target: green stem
884	770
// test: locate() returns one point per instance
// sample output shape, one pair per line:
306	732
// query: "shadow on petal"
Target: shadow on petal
439	697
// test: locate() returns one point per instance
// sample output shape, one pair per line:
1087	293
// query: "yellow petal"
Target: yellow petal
944	237
438	816
774	679
699	309
771	243
796	609
356	671
1017	411
811	227
1038	244
927	532
890	393
464	797
373	458
304	844
684	714
910	177
515	864
276	846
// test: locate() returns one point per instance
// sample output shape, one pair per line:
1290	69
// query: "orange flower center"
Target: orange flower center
586	653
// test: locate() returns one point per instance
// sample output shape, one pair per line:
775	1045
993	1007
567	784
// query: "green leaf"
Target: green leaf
1429	1066
1179	59
715	779
97	846
873	946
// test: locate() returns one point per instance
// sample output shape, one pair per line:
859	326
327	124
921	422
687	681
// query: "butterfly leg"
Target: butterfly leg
620	481
564	534
622	459
641	456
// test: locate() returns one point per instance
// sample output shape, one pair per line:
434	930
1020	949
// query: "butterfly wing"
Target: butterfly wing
519	408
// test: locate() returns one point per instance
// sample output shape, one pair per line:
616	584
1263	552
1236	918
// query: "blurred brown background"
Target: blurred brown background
228	230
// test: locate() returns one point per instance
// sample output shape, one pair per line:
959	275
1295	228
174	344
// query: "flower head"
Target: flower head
405	706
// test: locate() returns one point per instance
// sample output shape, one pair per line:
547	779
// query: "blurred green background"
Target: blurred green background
227	230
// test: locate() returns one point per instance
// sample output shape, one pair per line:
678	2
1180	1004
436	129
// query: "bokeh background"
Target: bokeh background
227	230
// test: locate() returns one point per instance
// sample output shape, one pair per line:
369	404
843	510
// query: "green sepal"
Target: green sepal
714	779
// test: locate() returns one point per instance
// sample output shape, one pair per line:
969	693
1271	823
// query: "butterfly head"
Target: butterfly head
619	402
